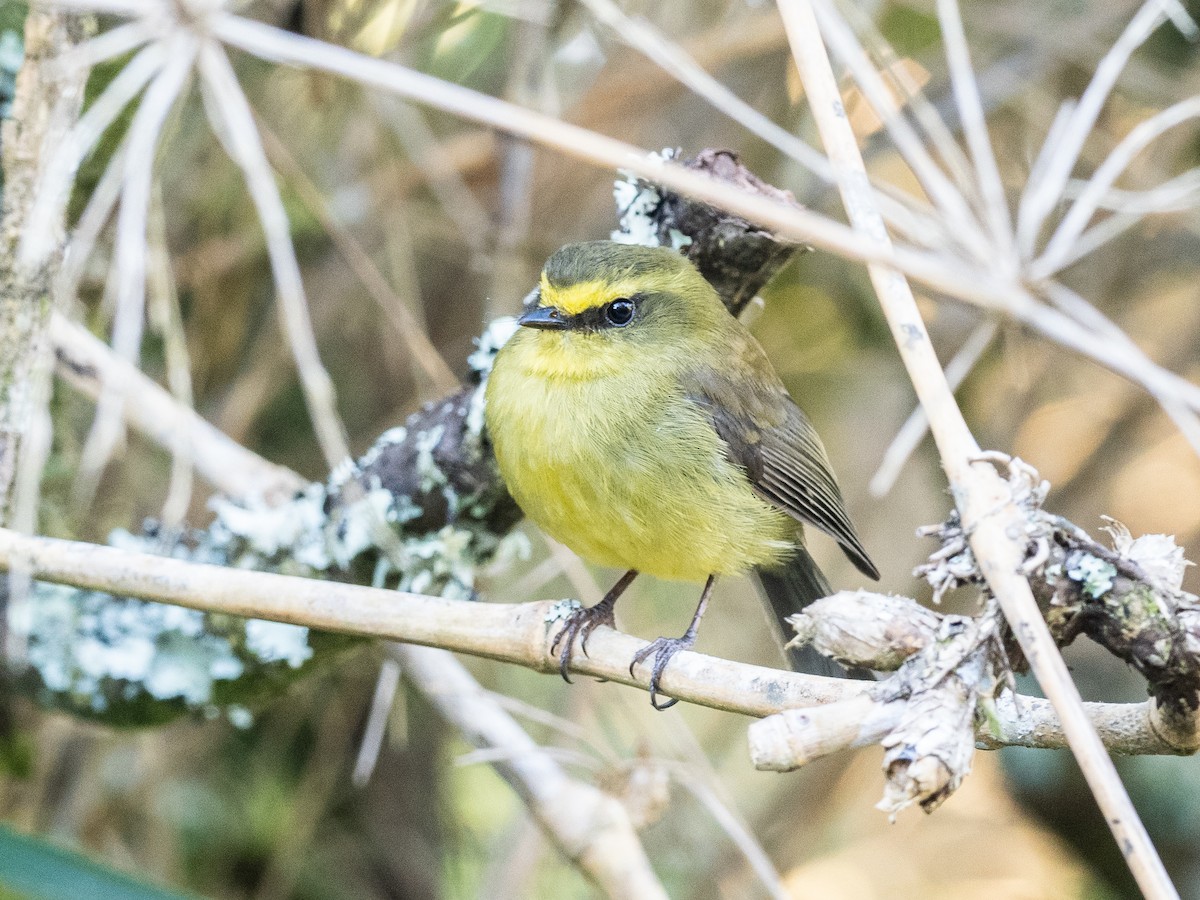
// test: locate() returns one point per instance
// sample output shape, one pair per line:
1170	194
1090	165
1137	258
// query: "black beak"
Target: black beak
544	317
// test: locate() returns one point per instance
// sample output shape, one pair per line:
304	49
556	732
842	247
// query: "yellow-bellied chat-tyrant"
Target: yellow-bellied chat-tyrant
639	423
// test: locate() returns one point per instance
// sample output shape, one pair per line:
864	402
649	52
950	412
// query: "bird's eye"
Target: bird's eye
619	312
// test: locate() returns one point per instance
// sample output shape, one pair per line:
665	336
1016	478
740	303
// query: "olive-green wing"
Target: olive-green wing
771	438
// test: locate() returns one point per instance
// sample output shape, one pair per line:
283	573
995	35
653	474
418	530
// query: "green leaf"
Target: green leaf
33	869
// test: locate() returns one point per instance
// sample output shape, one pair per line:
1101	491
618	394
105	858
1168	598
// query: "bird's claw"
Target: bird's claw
580	623
662	650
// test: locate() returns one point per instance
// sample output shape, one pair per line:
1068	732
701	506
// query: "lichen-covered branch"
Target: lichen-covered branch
45	104
1128	597
952	685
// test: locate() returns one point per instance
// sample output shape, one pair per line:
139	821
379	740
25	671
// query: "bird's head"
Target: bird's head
600	303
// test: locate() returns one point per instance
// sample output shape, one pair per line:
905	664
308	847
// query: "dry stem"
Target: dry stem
990	518
87	363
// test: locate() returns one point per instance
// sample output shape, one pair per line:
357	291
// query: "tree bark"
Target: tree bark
46	104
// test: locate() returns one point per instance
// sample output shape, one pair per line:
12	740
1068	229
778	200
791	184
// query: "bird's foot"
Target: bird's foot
580	624
662	650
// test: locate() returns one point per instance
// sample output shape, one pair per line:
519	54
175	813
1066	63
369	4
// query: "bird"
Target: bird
638	422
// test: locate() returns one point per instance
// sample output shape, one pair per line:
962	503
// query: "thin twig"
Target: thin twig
589	826
933	180
907	214
87	231
108	45
404	322
741	836
130	263
421	145
165	316
1065	142
674	60
989	515
233	121
1059	250
377	721
975	130
59	175
910	97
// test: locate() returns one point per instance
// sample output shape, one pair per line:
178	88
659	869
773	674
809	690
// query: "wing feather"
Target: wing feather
768	435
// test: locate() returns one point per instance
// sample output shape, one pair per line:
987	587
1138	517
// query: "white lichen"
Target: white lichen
278	642
443	563
562	610
1094	575
97	649
637	204
488	344
679	240
295	528
239	717
358	526
429	473
389	438
187	668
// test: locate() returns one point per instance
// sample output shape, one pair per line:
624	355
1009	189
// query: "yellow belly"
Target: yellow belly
628	473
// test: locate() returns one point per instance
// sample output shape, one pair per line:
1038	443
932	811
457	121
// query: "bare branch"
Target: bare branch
589	826
1061	249
1064	144
974	126
130	263
933	180
55	187
87	363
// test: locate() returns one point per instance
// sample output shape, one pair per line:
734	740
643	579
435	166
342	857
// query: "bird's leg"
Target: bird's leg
664	648
583	622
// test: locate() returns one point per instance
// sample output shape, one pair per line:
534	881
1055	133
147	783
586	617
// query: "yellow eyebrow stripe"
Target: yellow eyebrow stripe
576	298
585	295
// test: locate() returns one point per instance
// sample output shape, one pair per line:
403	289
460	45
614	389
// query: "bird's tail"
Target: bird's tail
790	588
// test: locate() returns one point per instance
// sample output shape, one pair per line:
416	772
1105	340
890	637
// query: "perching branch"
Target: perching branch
519	634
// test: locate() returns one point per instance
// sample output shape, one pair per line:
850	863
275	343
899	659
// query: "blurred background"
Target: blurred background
458	221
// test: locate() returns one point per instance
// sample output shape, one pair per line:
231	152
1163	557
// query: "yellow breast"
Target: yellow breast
612	460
